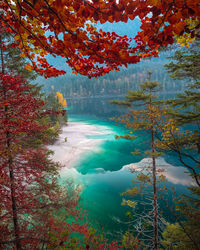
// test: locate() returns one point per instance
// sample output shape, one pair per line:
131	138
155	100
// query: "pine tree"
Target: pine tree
144	117
184	111
12	59
186	143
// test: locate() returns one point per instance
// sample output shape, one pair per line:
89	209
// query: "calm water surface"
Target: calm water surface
101	171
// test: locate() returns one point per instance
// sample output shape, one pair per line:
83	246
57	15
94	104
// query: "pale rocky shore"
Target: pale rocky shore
79	142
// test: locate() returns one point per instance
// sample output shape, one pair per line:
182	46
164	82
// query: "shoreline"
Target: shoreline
78	144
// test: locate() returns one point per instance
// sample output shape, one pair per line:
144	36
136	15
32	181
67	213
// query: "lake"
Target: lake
104	171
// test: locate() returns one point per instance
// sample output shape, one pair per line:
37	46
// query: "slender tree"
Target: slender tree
144	118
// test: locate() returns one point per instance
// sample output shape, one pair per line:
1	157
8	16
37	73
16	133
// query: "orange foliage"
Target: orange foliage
72	35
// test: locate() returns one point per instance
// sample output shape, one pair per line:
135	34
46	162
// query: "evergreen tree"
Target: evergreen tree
185	110
186	143
13	61
145	117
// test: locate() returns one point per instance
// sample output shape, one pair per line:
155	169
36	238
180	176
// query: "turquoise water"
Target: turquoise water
102	176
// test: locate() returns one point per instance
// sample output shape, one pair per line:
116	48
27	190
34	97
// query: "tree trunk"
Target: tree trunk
12	191
155	205
2	61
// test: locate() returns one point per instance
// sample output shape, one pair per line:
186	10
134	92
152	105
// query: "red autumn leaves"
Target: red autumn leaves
66	29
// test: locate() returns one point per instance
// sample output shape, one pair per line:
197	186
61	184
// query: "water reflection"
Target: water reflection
173	174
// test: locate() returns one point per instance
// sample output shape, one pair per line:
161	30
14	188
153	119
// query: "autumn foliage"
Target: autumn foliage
66	29
24	188
28	185
61	100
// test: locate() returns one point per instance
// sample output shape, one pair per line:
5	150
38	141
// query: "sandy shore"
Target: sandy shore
78	143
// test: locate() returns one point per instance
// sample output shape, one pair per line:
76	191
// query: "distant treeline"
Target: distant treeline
117	83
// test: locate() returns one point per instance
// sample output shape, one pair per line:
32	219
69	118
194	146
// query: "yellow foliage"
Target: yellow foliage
64	103
186	39
129	203
61	100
